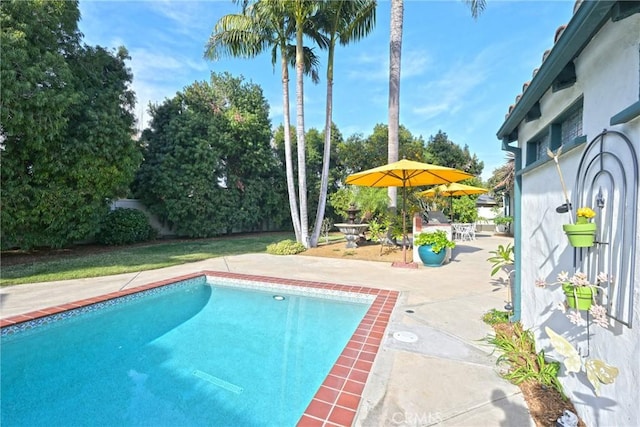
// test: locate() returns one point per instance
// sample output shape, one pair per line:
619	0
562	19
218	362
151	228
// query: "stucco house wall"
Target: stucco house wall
608	81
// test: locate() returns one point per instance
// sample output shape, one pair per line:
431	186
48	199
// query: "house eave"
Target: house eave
585	23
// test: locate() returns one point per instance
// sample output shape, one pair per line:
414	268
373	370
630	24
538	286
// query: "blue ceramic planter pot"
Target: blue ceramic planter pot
429	258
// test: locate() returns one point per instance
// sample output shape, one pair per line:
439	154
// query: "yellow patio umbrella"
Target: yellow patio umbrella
452	190
406	173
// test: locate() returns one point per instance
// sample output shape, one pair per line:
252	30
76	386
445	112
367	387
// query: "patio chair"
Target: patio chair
456	231
467	231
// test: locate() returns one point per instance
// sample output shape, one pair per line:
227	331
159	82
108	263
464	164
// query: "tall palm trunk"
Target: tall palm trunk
302	165
341	21
395	49
326	155
291	188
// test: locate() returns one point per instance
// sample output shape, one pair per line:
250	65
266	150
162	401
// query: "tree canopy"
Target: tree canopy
67	126
442	151
358	153
208	165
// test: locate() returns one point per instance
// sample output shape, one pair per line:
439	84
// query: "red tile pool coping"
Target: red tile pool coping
336	401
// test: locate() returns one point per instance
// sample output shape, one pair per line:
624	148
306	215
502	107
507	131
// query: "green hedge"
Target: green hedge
125	226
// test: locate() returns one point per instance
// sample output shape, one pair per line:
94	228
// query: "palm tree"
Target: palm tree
506	174
302	13
263	25
476	6
395	48
344	21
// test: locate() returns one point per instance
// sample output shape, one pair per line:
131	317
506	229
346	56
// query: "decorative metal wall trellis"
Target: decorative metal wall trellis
607	181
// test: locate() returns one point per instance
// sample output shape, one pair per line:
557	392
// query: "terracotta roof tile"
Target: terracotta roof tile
576	6
546	53
559	32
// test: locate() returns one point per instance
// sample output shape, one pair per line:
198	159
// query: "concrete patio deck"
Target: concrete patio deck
447	377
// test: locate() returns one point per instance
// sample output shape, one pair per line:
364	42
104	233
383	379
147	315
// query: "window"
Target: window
566	129
537	148
571	127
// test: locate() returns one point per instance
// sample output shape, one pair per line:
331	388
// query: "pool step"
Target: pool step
218	382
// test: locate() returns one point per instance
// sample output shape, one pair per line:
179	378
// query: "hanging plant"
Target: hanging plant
580	294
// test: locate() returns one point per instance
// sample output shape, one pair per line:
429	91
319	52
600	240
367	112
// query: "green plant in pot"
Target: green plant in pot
503	223
432	247
582	233
580	294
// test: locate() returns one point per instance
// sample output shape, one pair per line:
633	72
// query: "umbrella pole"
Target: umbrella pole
404	224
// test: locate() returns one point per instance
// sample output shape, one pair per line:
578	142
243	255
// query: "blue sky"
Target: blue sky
458	75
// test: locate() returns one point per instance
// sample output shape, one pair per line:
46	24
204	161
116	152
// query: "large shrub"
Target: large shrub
67	116
125	226
465	209
208	165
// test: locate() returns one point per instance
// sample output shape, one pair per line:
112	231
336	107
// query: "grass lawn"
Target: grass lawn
83	262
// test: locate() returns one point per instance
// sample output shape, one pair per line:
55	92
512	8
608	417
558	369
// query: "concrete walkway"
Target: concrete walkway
447	377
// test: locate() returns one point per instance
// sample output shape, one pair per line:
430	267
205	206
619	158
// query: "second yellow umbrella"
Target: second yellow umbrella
452	190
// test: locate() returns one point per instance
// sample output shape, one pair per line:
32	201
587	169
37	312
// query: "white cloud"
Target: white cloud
144	60
449	91
157	76
415	63
376	67
275	109
190	18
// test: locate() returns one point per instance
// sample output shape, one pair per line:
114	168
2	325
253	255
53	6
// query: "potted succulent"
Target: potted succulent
432	247
582	233
581	294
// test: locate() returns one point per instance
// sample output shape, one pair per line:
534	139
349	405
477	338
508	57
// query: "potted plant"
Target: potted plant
432	247
581	294
582	233
503	223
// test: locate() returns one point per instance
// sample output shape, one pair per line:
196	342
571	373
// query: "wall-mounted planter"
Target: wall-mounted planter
580	297
580	235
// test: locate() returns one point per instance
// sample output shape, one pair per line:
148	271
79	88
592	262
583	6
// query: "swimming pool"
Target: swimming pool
240	374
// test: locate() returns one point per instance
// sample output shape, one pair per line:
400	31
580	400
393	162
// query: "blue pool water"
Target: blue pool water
191	354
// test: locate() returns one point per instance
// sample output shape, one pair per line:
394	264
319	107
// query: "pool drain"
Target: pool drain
405	336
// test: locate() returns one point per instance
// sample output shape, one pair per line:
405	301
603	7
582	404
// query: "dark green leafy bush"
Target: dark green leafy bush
125	226
285	247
